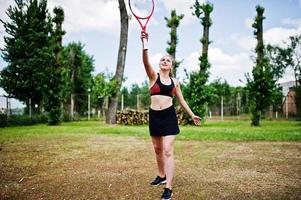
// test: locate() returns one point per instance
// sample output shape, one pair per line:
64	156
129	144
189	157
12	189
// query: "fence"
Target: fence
81	107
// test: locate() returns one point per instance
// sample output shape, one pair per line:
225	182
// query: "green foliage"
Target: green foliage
197	94
3	120
130	96
173	23
27	51
77	74
21	120
218	89
196	91
197	11
53	97
262	87
103	86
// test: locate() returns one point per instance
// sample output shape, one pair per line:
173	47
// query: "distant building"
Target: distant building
289	101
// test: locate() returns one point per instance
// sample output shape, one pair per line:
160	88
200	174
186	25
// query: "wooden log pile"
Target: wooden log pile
132	117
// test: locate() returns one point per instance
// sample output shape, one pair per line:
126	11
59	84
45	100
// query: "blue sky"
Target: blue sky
95	23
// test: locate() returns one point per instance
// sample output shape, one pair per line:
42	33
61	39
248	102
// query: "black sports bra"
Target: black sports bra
160	89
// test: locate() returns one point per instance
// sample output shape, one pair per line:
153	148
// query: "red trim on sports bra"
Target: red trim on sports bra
173	92
155	89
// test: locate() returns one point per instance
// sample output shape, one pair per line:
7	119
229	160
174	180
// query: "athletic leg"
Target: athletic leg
158	147
168	143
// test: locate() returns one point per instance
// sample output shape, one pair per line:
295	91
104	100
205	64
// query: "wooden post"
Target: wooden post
286	107
30	117
7	108
138	102
122	103
72	107
89	106
222	108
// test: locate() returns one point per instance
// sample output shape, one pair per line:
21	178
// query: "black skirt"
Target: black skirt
163	122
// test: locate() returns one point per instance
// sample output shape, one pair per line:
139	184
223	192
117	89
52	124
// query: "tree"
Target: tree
118	77
173	23
53	95
27	51
102	88
77	74
219	88
262	87
197	92
289	56
294	47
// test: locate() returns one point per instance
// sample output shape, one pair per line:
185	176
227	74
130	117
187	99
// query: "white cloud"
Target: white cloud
274	36
230	67
182	7
278	35
89	15
80	15
247	43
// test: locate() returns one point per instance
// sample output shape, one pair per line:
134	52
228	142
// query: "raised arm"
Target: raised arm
148	68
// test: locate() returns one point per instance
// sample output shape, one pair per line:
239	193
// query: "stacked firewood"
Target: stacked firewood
132	117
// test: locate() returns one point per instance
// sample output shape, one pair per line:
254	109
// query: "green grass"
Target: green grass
212	131
92	160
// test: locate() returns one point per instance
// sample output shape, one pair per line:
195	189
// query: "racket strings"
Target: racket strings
141	8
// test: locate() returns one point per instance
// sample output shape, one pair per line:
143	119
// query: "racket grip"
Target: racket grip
145	46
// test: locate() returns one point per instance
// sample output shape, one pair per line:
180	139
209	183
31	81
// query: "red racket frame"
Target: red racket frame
139	19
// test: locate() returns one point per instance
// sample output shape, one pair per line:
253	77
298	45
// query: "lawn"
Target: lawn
91	160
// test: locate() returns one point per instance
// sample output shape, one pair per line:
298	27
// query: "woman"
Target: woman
163	123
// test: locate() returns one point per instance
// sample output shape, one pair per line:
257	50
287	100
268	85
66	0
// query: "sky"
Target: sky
96	24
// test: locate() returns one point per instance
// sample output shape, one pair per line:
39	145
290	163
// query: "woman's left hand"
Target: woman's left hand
196	120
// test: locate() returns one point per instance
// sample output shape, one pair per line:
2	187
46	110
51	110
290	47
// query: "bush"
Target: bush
21	120
3	120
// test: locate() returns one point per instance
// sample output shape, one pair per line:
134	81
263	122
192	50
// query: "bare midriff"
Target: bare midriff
160	102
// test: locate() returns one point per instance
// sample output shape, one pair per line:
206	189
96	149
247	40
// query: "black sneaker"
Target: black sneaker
158	180
167	194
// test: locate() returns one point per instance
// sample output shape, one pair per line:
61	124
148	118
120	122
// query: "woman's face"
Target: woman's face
165	63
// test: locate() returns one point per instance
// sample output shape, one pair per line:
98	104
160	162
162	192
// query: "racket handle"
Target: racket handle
145	46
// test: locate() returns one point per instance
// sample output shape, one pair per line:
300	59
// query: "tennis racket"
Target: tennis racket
142	10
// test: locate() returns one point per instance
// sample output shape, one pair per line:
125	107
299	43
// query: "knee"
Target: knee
158	150
168	152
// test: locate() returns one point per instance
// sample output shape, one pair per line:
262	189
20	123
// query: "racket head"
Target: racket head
142	9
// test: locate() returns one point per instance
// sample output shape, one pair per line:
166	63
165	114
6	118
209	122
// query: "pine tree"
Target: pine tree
27	51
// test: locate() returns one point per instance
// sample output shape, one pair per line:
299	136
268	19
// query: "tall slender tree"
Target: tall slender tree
173	23
118	77
196	90
262	86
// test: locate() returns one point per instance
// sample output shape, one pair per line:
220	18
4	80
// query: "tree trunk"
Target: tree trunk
206	34
113	101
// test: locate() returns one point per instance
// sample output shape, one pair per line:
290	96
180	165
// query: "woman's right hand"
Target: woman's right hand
144	39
